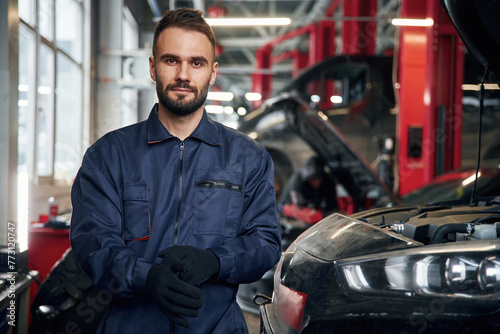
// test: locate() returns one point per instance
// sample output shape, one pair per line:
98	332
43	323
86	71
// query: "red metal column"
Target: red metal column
299	62
444	80
430	63
412	65
261	81
321	41
358	36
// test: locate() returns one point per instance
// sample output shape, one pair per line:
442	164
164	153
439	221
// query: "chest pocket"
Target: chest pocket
135	212
217	202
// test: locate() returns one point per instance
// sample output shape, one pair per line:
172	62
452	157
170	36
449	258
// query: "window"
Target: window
69	28
68	143
47	19
50	127
27	11
26	101
129	96
45	112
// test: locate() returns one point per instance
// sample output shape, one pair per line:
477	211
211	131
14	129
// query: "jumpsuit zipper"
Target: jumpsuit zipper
176	229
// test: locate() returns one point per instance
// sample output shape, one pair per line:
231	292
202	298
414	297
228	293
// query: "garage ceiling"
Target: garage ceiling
237	60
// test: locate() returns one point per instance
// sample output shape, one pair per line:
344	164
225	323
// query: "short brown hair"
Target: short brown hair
184	18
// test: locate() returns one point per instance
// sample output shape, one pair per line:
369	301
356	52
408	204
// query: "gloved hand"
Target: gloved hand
172	295
200	264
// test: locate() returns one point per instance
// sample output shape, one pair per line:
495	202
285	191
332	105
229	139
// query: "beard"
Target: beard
179	105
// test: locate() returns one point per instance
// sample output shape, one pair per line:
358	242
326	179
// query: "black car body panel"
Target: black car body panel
458	186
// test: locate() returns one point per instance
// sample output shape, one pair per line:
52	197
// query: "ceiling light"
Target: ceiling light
23	88
323	116
213	109
336	99
242	111
45	90
253	96
220	96
413	22
490	86
233	22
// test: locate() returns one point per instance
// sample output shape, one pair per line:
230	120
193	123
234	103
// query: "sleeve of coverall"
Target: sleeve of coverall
257	248
96	232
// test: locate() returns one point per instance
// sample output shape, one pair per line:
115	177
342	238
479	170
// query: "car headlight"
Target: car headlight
462	270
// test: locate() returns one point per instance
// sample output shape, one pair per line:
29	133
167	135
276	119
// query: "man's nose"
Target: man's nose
183	72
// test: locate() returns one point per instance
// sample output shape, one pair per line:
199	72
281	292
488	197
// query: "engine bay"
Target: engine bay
437	224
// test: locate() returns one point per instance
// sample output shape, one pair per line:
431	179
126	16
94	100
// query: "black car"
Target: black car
353	91
408	269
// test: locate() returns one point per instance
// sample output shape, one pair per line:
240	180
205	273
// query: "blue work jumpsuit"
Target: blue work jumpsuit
140	190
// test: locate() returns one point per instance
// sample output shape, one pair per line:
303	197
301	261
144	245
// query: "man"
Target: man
171	214
310	194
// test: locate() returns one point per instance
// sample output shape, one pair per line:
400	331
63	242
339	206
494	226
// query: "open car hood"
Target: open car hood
348	166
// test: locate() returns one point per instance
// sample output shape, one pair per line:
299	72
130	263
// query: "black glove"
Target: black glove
200	264
173	296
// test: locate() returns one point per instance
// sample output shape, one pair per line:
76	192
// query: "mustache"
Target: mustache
183	85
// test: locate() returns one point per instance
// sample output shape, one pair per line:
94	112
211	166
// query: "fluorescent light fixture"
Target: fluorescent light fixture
44	90
323	116
336	99
253	96
213	109
413	22
241	111
487	86
23	88
315	98
22	103
220	96
228	110
240	22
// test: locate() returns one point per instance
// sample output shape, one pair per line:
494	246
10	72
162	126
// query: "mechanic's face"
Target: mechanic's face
184	69
315	182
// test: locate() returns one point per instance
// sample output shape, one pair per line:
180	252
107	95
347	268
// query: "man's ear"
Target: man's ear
152	69
213	75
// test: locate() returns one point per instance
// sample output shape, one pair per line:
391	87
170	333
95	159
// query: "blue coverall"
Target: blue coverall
140	190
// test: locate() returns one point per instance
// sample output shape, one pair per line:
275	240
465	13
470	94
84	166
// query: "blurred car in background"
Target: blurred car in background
457	186
353	92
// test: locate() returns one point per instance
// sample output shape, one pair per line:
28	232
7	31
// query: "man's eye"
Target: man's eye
197	63
171	61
